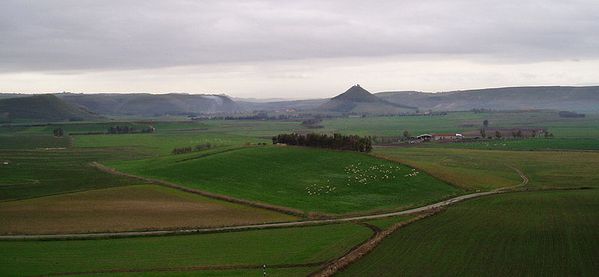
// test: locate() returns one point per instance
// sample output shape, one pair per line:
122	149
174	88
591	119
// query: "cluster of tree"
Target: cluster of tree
58	132
336	141
189	149
312	123
481	110
128	130
570	114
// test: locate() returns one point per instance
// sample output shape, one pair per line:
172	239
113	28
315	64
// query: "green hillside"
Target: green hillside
43	107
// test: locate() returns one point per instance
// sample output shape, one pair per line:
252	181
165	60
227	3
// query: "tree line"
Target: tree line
189	149
128	130
336	141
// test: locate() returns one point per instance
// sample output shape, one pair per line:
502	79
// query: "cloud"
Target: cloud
84	35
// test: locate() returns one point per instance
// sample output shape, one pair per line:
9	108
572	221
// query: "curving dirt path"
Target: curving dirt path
422	209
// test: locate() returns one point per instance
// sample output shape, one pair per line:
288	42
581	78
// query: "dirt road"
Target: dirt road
422	209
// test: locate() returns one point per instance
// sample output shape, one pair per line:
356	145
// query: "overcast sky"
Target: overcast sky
295	49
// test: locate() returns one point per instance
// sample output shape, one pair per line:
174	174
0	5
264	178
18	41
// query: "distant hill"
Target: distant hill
41	108
583	99
358	100
144	104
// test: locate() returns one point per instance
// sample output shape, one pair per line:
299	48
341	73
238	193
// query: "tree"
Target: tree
483	133
406	134
486	123
58	132
498	134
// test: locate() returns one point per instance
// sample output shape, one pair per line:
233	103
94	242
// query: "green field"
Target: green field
485	169
258	272
308	179
272	247
34	173
551	233
526	144
455	122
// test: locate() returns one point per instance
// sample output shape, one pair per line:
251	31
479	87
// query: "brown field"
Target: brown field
139	207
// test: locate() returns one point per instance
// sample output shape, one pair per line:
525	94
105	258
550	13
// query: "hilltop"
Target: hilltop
145	104
358	100
43	107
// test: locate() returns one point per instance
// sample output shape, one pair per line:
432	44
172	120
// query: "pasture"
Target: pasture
312	180
551	233
484	169
291	246
127	208
455	122
33	173
567	144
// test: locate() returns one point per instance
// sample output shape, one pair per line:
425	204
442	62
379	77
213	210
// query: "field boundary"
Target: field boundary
361	250
279	209
187	268
422	209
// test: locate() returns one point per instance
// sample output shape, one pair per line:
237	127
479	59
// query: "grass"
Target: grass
33	173
161	144
271	272
386	222
466	121
486	169
126	208
32	142
312	180
552	233
527	144
271	247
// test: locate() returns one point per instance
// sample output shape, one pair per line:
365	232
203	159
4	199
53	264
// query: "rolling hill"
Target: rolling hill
358	100
42	108
583	99
145	104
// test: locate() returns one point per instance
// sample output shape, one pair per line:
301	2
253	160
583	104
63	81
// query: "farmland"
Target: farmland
125	208
33	173
466	121
535	233
312	180
49	186
483	169
306	245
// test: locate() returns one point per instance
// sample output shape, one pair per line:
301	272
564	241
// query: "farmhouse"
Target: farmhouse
447	136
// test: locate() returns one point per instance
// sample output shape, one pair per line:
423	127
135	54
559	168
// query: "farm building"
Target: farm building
447	136
424	137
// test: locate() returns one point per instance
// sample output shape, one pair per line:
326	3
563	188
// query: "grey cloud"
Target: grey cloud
60	35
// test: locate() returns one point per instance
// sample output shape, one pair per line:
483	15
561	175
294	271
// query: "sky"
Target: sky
295	49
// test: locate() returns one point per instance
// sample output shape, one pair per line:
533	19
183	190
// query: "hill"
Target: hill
43	107
144	104
358	100
583	99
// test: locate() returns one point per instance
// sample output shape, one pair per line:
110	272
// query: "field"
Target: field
125	208
48	186
551	233
308	179
466	121
292	246
33	173
484	169
526	144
